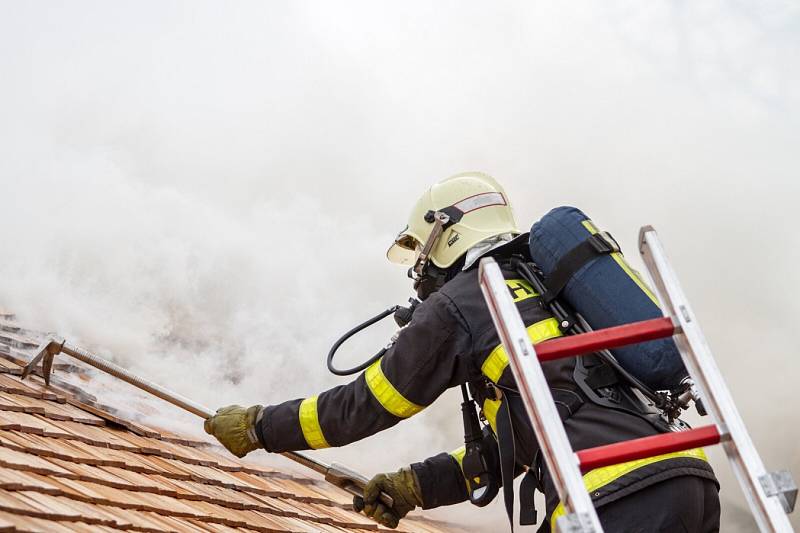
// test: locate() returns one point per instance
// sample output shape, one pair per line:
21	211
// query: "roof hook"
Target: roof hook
46	353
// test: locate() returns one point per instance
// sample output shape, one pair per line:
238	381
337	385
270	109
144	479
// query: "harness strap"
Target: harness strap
567	402
600	376
505	437
574	260
527	491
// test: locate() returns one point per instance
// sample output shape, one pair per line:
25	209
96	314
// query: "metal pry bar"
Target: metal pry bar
54	345
338	475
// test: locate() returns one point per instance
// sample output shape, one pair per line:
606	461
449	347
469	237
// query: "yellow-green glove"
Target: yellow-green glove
402	486
234	427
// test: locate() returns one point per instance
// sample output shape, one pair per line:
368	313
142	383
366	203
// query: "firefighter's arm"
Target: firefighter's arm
443	478
430	355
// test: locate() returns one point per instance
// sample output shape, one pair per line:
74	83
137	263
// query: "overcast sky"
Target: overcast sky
205	191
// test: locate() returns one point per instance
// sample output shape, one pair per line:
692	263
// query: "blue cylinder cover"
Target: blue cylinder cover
607	292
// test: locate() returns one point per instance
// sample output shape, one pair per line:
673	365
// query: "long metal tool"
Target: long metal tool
336	474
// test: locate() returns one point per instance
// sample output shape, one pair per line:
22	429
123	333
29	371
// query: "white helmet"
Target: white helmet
451	217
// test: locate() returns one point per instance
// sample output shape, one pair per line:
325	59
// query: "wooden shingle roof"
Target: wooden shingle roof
68	463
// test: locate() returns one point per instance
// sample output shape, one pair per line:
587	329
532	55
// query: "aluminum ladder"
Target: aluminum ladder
771	495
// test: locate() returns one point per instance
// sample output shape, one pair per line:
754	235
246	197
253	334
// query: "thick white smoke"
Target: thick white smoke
204	191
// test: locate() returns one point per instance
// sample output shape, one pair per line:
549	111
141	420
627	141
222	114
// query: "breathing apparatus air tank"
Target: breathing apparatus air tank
585	268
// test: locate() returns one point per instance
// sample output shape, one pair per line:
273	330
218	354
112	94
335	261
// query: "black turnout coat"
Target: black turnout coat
451	340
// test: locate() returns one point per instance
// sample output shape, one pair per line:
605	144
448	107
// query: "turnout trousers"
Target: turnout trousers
686	504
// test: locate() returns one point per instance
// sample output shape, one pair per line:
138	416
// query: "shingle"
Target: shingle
27	523
25	461
28	388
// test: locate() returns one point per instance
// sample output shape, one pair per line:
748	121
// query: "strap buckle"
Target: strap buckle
604	243
493	392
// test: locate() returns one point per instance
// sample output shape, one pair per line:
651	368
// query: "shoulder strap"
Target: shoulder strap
505	438
567	402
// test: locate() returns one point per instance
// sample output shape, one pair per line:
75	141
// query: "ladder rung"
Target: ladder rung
641	448
646	330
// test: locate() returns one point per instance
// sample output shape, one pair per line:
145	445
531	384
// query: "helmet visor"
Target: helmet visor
405	249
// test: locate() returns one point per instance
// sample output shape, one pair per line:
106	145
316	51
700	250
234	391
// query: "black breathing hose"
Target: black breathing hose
358	328
402	316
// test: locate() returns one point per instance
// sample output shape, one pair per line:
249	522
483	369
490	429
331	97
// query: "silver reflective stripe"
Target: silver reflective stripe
478	201
486	246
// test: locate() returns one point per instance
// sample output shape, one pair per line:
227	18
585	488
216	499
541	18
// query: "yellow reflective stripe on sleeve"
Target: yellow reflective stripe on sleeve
387	395
520	289
599	477
458	455
496	363
309	423
620	259
490	408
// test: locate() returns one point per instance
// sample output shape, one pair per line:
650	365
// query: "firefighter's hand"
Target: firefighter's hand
402	486
234	427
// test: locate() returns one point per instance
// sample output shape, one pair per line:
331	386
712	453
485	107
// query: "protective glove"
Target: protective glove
402	486
234	427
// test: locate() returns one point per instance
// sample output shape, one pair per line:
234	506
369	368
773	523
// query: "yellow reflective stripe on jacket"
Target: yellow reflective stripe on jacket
599	477
490	408
387	395
496	363
620	259
458	455
309	423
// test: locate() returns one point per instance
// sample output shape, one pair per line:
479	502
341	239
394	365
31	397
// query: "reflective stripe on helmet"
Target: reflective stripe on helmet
486	199
309	424
497	362
383	391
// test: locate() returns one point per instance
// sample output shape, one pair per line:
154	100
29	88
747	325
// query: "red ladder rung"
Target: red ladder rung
644	447
646	330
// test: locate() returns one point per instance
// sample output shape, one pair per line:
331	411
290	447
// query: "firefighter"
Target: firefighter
451	341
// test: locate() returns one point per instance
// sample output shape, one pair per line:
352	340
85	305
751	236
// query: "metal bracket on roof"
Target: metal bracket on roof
45	353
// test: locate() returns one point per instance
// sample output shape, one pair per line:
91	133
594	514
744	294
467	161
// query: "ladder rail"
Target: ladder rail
768	511
559	457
